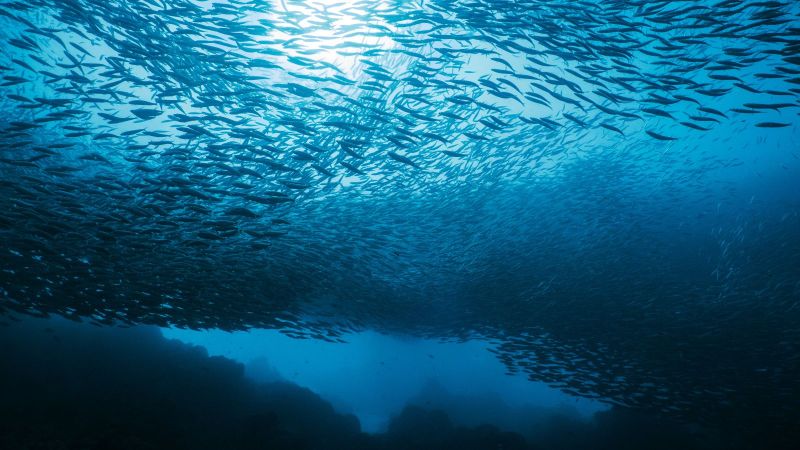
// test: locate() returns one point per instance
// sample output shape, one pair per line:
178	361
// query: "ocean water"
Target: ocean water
400	224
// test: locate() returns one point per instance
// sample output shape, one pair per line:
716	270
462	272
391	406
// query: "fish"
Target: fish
457	170
772	124
660	137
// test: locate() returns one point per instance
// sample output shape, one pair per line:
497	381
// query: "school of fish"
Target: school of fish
545	174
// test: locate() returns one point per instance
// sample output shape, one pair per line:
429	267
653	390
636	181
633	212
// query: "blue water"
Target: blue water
373	376
583	214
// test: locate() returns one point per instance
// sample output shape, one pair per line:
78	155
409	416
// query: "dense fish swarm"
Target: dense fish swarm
561	177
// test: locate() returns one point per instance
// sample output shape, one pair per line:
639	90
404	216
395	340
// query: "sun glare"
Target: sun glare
333	34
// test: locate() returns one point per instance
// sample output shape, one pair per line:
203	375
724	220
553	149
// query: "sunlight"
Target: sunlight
331	34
